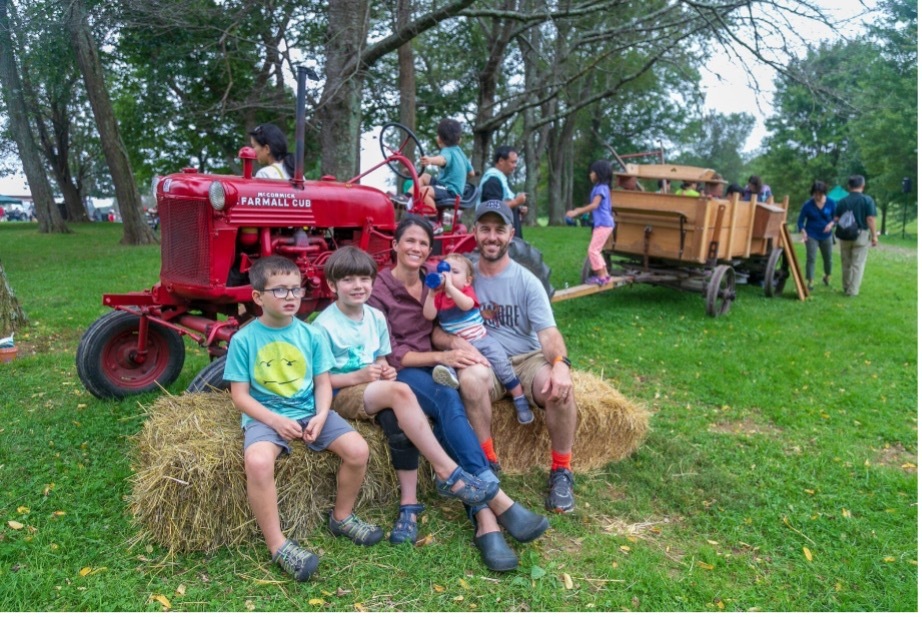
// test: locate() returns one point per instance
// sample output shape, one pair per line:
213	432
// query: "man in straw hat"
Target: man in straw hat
517	312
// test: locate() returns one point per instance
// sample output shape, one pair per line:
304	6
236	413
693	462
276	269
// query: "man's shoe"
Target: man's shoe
446	376
299	562
357	530
560	491
523	524
495	553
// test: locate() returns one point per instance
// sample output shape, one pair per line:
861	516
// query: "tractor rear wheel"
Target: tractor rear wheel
210	378
108	363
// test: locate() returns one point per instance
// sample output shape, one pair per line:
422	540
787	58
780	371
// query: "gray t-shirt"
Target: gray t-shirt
515	308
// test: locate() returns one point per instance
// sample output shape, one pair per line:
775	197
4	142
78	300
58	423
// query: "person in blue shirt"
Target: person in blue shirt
815	223
279	373
456	168
603	221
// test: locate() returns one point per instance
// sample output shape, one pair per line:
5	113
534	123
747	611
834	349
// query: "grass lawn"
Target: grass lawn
779	474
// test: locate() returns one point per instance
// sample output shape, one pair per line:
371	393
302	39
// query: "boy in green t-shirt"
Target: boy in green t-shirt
279	369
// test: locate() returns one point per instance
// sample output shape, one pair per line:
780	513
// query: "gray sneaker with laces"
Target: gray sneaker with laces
357	530
299	562
560	491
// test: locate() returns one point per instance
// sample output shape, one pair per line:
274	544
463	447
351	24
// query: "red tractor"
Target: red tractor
213	227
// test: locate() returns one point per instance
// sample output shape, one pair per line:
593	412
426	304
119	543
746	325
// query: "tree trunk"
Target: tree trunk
406	76
11	315
136	230
49	218
498	38
340	112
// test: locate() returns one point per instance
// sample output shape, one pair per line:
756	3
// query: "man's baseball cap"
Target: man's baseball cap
496	207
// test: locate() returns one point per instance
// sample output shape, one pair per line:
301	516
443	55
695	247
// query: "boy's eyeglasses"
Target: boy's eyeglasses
282	292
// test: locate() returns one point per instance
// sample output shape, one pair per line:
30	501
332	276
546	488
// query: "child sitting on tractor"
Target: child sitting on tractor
456	168
279	371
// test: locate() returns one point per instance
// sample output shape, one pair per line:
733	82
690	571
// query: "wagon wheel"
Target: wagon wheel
776	273
721	291
108	362
396	138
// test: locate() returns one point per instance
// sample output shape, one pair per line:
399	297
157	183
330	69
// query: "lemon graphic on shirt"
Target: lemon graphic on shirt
280	368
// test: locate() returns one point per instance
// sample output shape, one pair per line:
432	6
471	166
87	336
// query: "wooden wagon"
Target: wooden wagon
702	244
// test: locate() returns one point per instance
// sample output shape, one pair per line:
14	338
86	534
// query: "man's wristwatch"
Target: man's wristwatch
563	359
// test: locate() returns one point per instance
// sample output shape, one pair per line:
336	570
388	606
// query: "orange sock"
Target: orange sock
487	448
560	461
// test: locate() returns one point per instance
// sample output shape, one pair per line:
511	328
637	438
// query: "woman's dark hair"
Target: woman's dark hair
756	181
734	188
818	187
602	171
410	220
270	135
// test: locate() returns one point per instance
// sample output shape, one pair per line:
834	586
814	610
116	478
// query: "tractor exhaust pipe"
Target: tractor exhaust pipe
300	118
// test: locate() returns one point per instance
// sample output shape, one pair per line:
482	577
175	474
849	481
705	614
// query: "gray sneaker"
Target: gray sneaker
446	376
299	562
523	411
357	530
560	491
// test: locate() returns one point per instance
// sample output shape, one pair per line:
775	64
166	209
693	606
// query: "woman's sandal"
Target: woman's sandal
405	528
473	491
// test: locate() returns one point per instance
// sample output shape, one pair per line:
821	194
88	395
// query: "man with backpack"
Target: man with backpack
856	220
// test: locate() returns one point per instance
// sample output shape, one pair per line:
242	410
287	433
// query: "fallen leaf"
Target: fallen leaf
85	571
23	510
464	584
58	513
808	554
567	581
908	466
316	601
706	566
15	525
846	513
438	588
712	542
181	590
360	607
458	598
340	592
48	488
720	604
889	559
625	549
426	539
810	491
250	606
614	564
156	597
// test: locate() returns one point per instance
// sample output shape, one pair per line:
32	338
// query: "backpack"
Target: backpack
847	227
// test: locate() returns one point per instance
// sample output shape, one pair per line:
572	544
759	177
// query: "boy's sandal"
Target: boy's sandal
405	528
473	490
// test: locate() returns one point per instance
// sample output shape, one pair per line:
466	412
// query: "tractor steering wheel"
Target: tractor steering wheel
396	138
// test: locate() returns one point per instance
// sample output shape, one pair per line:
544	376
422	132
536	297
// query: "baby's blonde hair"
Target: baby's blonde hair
462	259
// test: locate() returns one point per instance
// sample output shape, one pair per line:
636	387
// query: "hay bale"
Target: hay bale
189	488
608	428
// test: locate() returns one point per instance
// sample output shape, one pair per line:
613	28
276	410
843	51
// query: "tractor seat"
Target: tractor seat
469	198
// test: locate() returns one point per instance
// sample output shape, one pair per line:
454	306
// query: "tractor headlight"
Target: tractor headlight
216	195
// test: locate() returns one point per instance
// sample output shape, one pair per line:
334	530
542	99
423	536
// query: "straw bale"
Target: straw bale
189	487
609	428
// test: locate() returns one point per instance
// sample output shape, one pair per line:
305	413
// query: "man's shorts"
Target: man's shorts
335	427
526	367
350	401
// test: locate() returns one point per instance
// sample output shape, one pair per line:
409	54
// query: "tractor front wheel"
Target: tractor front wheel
211	378
110	366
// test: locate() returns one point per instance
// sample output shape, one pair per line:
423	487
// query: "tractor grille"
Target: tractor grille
185	248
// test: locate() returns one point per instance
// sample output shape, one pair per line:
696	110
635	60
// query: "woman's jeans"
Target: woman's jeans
825	247
450	425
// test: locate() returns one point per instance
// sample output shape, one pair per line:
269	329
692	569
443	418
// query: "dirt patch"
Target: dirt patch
897	456
746	426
